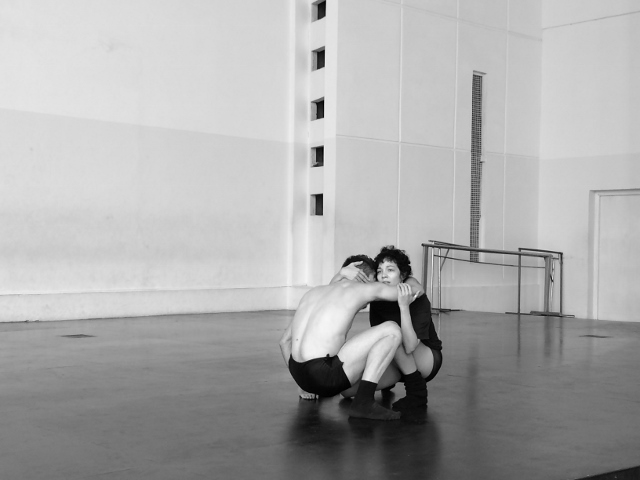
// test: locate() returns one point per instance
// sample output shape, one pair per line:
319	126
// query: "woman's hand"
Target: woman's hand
352	272
405	295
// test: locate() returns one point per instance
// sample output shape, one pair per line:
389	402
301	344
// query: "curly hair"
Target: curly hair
397	256
368	266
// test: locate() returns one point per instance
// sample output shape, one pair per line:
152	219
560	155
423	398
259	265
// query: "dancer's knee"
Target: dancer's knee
392	329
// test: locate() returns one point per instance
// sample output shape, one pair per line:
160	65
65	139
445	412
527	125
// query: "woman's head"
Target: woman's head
392	265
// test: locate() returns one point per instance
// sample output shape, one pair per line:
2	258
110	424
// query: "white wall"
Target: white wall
590	120
403	112
155	154
145	157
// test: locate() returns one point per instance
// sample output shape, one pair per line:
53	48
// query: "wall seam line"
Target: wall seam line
399	125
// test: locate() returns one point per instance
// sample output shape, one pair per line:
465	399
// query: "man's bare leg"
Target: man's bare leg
363	405
421	358
355	353
366	356
390	377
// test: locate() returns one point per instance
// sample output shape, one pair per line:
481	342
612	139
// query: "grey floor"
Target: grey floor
208	397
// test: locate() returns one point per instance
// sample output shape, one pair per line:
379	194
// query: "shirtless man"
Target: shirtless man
319	357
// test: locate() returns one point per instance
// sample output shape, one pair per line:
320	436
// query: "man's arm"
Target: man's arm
285	345
381	291
415	286
351	272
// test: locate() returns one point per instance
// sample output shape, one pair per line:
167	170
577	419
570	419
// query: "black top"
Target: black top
420	309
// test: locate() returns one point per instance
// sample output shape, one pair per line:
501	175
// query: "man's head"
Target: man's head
368	266
391	255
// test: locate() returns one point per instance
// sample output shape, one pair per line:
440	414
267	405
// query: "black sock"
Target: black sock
364	406
415	384
365	393
416	388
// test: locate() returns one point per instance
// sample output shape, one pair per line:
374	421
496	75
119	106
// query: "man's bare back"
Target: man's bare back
324	317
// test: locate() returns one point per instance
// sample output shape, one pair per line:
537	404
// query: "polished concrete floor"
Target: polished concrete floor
208	397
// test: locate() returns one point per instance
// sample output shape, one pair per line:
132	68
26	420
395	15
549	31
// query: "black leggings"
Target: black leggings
437	363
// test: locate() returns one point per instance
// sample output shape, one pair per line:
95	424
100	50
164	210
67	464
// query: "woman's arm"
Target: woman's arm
405	298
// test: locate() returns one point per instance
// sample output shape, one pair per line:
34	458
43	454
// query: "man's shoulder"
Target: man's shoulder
340	288
357	293
346	283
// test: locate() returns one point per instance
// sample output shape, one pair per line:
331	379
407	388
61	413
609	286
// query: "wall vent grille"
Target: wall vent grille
476	165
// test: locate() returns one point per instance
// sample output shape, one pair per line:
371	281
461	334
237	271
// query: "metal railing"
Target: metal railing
550	277
548	256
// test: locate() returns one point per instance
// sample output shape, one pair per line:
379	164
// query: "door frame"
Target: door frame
595	197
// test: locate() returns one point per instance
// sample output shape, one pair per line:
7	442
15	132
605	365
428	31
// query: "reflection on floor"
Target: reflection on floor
208	397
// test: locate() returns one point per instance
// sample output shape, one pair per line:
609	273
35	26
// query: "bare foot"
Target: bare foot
306	395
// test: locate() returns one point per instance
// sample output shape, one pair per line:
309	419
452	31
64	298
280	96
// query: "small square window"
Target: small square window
316	204
317	156
319	10
317	109
318	59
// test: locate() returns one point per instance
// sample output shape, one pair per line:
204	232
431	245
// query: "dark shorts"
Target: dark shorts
322	376
437	363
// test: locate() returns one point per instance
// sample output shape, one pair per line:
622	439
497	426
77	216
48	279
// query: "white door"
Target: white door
618	251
